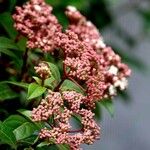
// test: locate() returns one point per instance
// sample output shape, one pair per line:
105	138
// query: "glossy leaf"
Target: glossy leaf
6	93
45	143
63	147
6	43
14	121
38	80
20	84
68	85
50	82
30	140
22	44
25	130
7	22
55	71
26	113
35	90
97	111
6	136
8	52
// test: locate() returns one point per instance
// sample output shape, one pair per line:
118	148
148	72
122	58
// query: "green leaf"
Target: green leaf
50	82
68	85
6	43
45	143
6	136
25	130
7	23
22	44
97	111
8	52
108	104
30	140
20	84
1	125
51	145
26	113
14	121
12	4
38	80
63	147
77	118
55	71
35	90
6	93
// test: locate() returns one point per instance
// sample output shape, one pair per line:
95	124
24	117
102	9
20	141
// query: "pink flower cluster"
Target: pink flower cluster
36	22
85	30
52	107
95	67
110	73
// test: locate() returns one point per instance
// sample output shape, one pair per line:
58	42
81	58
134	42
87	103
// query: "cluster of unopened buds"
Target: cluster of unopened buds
86	60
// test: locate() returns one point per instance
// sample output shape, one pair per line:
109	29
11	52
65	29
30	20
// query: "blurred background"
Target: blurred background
124	25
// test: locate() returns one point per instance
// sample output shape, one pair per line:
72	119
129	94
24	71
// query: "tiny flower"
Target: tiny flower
100	44
43	70
112	90
71	8
37	7
113	70
122	84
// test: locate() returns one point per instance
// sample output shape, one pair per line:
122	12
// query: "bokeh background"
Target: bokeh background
125	25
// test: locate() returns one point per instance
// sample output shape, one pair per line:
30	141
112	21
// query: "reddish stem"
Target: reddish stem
74	131
18	37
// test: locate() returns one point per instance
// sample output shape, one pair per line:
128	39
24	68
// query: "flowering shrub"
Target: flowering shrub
88	72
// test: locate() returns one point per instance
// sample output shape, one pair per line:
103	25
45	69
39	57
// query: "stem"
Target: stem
50	124
74	131
17	38
64	68
24	69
